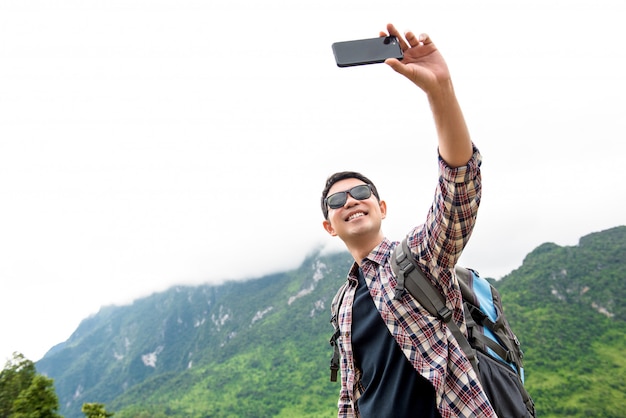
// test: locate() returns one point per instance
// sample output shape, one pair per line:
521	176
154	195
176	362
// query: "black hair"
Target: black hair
342	175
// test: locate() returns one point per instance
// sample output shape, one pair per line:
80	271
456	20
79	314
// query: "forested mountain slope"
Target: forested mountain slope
260	348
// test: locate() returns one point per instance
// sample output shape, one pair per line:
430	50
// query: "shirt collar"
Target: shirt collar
379	255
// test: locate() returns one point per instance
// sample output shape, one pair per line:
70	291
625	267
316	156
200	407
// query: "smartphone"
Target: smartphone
366	51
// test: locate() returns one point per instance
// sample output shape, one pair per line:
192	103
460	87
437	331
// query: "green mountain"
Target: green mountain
568	306
260	348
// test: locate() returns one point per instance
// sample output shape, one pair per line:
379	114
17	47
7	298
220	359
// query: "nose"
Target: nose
350	201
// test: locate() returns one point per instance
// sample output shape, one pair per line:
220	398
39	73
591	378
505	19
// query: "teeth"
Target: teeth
356	215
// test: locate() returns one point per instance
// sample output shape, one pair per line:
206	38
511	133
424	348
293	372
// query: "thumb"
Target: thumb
397	66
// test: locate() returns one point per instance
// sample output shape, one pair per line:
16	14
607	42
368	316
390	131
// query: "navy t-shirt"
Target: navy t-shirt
392	386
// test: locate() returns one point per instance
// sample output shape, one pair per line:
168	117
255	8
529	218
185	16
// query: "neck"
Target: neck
359	249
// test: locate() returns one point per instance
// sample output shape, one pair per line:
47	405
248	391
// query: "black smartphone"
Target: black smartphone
366	51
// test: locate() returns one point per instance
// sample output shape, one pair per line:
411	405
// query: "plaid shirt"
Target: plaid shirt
425	340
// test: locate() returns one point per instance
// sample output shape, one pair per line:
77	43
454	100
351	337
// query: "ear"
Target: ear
383	209
329	228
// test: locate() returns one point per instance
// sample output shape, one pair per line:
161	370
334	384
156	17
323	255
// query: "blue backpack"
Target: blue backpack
490	345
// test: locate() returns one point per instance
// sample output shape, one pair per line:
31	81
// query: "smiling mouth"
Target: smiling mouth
355	216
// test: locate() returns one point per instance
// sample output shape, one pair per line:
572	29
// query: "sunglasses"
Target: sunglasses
360	192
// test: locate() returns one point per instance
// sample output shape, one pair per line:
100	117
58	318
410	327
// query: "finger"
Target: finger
412	39
396	65
424	39
394	32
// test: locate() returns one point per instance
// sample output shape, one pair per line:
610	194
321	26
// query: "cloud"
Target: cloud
148	144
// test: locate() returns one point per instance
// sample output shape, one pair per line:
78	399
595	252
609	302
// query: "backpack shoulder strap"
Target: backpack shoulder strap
334	320
423	291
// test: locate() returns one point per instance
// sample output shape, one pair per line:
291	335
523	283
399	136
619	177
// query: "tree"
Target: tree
38	400
24	393
16	376
95	410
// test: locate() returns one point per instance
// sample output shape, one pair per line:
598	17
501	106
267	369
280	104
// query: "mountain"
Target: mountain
568	306
260	348
244	340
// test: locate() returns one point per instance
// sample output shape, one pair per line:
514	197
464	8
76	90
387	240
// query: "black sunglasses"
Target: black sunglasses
360	192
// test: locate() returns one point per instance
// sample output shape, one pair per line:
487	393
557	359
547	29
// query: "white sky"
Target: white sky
150	143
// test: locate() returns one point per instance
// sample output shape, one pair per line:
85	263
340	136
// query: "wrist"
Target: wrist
441	95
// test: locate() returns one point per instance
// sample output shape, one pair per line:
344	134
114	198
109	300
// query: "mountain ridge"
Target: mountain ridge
260	347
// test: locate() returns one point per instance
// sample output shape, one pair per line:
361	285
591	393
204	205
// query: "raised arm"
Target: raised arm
424	65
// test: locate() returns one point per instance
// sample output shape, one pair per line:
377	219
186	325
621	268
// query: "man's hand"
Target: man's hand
422	62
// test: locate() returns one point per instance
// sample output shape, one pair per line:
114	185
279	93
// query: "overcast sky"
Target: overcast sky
145	144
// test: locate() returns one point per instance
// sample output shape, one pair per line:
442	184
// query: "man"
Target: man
396	359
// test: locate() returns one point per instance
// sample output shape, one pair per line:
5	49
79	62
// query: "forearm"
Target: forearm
455	145
440	240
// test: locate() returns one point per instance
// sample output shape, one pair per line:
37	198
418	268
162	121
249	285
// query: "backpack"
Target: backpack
491	346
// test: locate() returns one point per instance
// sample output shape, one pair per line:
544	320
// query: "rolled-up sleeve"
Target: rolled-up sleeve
451	218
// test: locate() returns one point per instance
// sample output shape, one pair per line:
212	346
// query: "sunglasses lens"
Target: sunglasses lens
338	199
361	192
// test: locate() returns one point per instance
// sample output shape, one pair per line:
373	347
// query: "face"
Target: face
356	219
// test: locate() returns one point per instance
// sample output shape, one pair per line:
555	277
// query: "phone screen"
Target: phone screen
366	51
